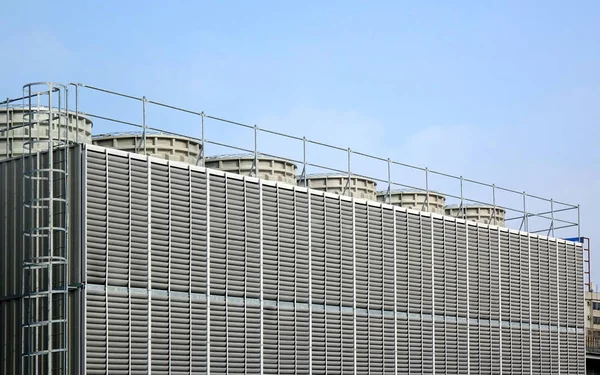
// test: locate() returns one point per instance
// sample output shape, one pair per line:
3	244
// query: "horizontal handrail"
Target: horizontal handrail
463	199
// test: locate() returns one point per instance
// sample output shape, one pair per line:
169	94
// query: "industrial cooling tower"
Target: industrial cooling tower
161	145
479	213
65	127
269	168
357	187
414	199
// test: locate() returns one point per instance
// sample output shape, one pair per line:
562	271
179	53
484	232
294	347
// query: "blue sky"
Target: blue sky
506	92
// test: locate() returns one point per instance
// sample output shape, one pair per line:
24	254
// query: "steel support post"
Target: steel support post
525	215
203	150
462	199
552	216
494	203
144	123
304	161
255	151
427	188
389	177
349	183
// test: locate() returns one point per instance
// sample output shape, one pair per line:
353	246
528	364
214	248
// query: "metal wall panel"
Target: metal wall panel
197	271
11	257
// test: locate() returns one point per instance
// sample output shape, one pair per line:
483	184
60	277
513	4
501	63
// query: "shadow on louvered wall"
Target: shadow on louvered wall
11	260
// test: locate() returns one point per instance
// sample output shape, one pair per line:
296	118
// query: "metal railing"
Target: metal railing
525	211
592	341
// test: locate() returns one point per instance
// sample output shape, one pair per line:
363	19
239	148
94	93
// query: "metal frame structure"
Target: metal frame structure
521	214
44	307
402	289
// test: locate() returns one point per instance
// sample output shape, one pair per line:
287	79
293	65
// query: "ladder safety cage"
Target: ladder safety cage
44	307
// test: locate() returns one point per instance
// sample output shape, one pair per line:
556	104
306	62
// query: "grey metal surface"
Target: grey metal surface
337	285
12	258
463	298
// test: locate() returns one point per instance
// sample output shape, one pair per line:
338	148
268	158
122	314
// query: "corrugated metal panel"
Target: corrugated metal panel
347	287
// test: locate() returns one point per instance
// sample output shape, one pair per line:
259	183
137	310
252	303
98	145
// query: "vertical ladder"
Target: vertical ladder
44	305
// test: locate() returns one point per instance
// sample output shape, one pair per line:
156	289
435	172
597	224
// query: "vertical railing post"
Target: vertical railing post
304	161
203	151
349	171
77	113
552	216
427	189
462	199
525	215
494	203
578	222
66	89
8	126
50	235
256	151
144	123
389	167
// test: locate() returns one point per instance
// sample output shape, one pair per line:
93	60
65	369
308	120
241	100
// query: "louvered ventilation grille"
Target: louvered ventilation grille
386	290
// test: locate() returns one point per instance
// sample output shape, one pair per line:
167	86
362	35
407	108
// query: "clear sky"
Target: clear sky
502	91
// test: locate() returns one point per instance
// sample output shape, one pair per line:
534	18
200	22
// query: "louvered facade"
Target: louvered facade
187	270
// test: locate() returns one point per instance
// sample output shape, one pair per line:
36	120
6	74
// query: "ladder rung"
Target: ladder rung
34	172
44	352
41	230
44	293
44	261
48	199
44	323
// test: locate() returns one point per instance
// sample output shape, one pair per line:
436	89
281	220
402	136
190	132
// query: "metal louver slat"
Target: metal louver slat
218	235
180	226
218	336
402	280
96	339
139	224
119	333
118	223
286	246
252	239
160	221
270	242
97	213
199	336
139	333
199	230
160	334
332	251
180	335
362	259
389	293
